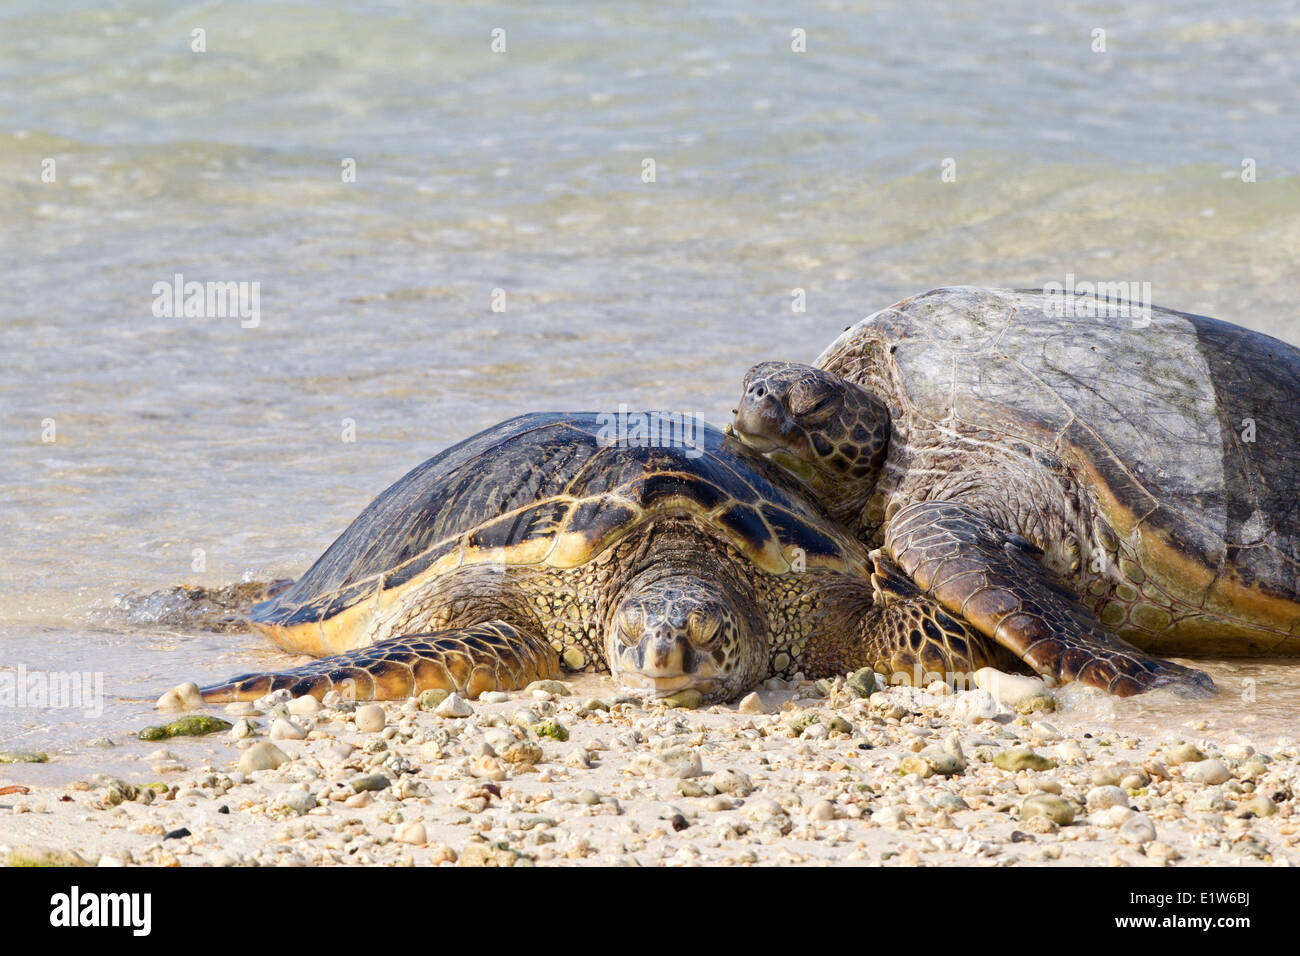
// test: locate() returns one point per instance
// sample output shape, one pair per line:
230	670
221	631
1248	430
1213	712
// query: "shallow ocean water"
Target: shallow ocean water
194	450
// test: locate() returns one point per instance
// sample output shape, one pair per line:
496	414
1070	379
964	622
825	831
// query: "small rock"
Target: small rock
733	782
430	699
283	729
261	756
1111	817
689	699
553	687
799	723
1009	689
195	725
413	833
751	704
371	782
522	753
553	729
1162	853
1137	830
678	762
974	706
861	683
23	756
1211	772
1256	806
299	801
767	814
303	706
370	718
1049	806
493	697
822	810
945	800
491	854
1182	753
454	706
181	697
1045	730
1209	800
1102	798
892	817
1021	759
243	728
838	725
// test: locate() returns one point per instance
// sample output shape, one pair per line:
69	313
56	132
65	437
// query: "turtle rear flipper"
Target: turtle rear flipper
467	660
993	582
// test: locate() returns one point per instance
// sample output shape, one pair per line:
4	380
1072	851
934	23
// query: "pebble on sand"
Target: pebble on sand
1103	798
303	706
370	718
181	697
678	762
283	729
1057	809
299	801
1137	829
195	725
1212	771
413	833
553	687
453	706
261	756
1009	689
1021	759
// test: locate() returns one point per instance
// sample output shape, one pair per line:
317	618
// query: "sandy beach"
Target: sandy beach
809	773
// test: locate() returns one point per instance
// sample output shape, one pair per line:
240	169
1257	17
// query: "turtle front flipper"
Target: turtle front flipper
993	581
467	660
910	638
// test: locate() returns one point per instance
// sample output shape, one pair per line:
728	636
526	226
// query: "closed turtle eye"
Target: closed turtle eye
813	400
631	623
702	627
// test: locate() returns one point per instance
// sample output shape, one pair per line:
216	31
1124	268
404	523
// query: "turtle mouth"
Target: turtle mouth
759	443
777	452
656	687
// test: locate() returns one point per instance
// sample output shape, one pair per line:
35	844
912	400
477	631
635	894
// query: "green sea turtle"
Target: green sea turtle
1070	482
545	544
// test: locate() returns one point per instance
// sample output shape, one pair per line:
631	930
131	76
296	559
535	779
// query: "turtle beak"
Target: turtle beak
762	423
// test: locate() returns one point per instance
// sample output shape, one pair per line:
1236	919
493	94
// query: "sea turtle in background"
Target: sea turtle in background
1074	488
541	545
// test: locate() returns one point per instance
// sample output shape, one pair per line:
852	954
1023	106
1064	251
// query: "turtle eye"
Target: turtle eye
701	627
631	622
810	399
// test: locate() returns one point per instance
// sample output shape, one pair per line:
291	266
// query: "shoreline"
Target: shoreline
806	773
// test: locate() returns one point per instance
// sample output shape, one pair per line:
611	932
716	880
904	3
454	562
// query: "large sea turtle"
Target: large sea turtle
1069	481
550	543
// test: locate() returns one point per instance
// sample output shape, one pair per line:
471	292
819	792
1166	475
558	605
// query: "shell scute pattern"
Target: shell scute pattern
1177	433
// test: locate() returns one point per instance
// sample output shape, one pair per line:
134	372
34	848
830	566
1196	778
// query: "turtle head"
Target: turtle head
827	432
685	632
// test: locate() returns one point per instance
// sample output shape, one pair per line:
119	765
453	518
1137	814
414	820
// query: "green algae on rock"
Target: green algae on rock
195	725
